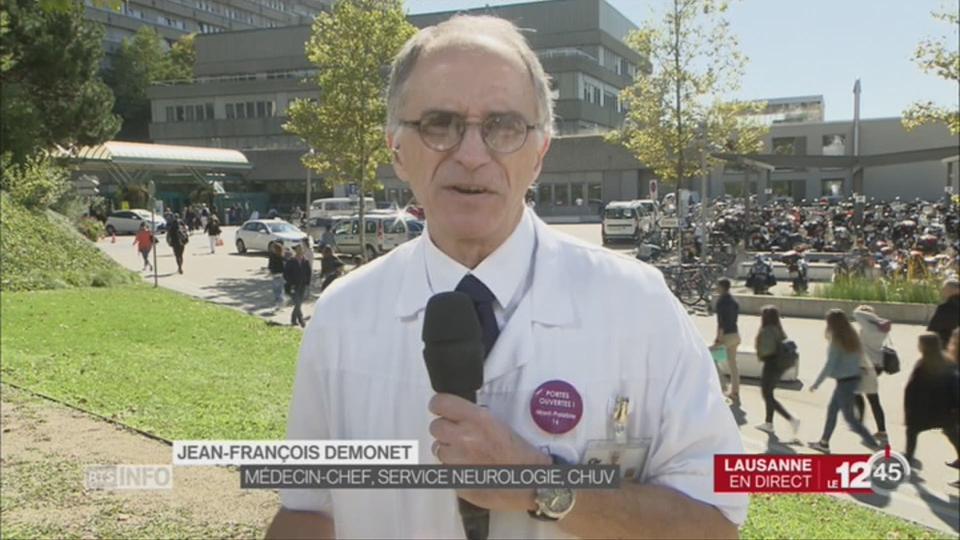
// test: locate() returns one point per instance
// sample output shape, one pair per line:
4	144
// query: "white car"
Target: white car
384	231
128	222
258	234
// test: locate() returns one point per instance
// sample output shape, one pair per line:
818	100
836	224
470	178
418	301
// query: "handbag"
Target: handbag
891	360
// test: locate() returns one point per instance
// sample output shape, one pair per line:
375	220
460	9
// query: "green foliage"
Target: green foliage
43	250
351	45
676	111
896	289
36	183
141	61
171	361
51	93
825	517
91	228
940	57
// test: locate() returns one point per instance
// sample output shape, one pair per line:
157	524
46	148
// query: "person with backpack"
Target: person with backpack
931	399
843	364
177	237
297	272
769	345
144	241
874	331
212	229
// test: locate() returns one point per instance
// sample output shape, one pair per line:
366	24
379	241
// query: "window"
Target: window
544	194
371	226
241	111
189	110
180	116
831	186
594	192
170	115
610	100
261	109
398	227
250	226
229	109
577	192
561	195
250	109
834	145
209	108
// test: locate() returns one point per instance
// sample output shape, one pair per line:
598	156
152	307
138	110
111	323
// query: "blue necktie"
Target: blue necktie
482	302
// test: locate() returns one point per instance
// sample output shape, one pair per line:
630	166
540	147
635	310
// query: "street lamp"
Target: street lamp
309	188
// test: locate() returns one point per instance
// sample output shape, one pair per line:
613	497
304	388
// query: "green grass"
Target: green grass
43	250
823	516
180	368
881	290
152	359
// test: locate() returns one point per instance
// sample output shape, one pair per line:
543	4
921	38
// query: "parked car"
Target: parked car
384	231
258	234
627	219
334	207
128	222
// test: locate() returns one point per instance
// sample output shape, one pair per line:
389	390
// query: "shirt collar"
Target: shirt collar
503	271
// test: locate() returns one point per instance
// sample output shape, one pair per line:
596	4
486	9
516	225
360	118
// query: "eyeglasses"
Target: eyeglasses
442	131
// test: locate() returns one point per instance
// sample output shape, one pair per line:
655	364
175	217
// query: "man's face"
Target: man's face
473	83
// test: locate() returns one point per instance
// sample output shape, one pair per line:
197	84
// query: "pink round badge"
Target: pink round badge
556	407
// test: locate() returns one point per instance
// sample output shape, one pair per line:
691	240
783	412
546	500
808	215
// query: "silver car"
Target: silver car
259	234
129	221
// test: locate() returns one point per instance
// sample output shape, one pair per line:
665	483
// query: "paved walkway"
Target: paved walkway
241	282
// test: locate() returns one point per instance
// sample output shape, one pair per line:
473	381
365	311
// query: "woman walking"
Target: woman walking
144	242
873	333
843	364
212	228
769	346
931	397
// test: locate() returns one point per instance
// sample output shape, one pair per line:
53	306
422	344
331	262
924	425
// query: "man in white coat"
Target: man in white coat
469	122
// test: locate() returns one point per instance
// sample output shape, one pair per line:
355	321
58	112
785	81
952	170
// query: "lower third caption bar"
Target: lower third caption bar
428	477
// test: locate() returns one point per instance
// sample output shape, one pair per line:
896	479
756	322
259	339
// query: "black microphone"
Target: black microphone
454	353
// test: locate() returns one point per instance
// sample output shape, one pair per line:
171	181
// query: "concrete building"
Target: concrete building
246	79
174	18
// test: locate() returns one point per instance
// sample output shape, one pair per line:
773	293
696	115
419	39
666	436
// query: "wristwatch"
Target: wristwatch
553	503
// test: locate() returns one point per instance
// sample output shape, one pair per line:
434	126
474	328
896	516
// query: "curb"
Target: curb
816	308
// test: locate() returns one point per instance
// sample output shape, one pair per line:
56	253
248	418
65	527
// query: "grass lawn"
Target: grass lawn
152	359
180	368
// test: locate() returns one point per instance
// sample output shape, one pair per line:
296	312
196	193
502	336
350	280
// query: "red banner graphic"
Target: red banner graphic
836	473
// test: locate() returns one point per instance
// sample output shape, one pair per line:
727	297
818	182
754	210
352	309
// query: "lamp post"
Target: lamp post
306	208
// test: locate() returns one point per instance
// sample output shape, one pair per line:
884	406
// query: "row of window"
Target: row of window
796	189
250	109
564	194
190	113
599	93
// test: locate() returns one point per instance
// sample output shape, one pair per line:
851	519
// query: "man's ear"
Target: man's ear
394	147
541	154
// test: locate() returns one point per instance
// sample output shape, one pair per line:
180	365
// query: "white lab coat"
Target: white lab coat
604	323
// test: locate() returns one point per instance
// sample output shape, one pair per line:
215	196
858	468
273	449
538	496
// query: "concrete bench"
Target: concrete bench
751	367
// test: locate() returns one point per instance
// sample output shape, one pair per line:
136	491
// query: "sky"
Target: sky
816	47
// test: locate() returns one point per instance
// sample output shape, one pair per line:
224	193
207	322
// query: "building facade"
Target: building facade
246	79
174	18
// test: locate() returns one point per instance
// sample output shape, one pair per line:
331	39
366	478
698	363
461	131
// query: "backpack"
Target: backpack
788	354
183	234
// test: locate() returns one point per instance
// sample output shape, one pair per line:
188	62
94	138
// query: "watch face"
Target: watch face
559	501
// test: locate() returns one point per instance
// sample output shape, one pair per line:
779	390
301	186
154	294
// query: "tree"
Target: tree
942	58
676	113
52	93
351	45
141	61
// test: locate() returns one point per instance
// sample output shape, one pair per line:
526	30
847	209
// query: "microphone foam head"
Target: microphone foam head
450	316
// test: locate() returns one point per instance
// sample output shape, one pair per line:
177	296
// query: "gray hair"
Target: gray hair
462	30
951	283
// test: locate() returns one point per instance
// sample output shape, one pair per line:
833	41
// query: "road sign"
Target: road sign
768	191
860	199
948	189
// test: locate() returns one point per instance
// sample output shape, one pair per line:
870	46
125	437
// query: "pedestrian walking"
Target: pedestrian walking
947	316
769	347
843	364
297	273
331	267
931	399
874	332
177	237
144	241
212	229
275	264
204	216
728	335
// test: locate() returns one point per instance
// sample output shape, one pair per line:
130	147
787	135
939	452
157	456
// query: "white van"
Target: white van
334	207
627	219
